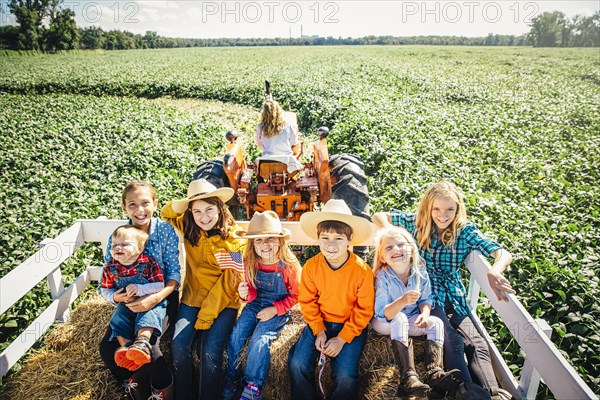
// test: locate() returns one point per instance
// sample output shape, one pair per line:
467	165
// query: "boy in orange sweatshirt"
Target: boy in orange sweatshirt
337	300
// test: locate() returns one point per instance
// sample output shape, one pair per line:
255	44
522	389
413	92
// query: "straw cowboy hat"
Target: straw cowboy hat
201	189
265	224
336	210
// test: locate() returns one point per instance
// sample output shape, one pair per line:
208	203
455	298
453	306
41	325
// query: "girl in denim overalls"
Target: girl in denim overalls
270	291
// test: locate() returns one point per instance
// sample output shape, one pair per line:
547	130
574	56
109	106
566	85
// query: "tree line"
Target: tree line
43	25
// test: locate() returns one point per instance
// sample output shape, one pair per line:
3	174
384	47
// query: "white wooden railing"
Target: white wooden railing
543	360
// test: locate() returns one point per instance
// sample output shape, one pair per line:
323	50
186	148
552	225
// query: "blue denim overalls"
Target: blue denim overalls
270	288
126	323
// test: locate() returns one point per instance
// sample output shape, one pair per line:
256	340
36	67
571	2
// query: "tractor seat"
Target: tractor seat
277	164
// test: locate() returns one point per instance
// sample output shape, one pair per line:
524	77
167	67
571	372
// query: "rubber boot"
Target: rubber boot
440	381
410	385
167	393
138	385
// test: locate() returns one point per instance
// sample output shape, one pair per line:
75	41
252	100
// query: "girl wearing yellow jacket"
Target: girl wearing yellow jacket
209	302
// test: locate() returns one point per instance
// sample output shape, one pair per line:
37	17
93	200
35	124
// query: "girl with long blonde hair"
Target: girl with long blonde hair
445	238
402	310
277	131
270	290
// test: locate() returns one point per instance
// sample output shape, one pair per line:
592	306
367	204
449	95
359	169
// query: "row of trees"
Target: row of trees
43	25
554	29
91	38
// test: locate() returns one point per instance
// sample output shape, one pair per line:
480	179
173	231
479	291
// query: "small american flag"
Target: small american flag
230	260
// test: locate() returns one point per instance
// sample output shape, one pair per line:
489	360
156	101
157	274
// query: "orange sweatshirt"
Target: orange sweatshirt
345	295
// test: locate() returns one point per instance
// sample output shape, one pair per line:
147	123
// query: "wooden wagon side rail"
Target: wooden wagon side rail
543	360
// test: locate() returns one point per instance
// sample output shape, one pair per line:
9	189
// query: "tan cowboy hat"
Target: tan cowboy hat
265	224
336	210
201	189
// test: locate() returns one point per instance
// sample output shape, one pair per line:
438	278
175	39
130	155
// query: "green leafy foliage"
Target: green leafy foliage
67	157
517	129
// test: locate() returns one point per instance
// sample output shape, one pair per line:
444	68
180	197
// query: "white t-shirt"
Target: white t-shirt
280	144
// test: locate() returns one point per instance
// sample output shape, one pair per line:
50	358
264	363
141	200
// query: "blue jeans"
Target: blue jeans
159	371
210	346
259	352
126	323
302	362
462	338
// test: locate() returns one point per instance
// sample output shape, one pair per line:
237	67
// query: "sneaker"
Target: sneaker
122	361
251	392
140	352
231	391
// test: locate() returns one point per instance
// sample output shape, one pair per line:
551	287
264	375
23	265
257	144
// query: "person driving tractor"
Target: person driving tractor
277	132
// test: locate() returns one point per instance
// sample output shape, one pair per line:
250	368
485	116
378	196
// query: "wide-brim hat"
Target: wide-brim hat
337	210
201	189
262	225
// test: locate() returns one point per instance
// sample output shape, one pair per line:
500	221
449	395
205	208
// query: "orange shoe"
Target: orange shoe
122	361
140	352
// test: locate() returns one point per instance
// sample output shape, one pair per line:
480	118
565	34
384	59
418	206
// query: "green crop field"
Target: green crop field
517	128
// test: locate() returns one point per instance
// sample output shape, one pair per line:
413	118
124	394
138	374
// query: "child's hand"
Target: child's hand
266	313
333	346
411	296
121	296
320	341
499	285
422	321
131	289
243	290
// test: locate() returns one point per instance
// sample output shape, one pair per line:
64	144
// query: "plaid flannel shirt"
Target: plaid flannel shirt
443	263
144	266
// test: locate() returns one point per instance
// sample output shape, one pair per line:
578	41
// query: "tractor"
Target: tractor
284	184
270	184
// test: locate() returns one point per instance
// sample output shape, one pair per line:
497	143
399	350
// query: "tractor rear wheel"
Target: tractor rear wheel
348	164
350	183
213	172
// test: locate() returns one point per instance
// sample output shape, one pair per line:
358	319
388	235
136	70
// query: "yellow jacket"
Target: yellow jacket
206	285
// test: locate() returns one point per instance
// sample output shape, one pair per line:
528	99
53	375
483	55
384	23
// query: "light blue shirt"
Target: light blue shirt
388	287
163	246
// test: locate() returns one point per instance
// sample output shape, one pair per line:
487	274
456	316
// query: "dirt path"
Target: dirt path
232	116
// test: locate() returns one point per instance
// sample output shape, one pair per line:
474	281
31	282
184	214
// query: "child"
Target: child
336	297
277	132
139	201
402	308
209	302
135	274
445	239
270	289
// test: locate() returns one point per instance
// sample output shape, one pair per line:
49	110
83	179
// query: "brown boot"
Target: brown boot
410	385
440	381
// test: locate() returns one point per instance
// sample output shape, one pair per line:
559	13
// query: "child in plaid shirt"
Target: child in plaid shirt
445	238
131	274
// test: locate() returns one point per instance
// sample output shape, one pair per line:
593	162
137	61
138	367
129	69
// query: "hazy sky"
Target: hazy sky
282	18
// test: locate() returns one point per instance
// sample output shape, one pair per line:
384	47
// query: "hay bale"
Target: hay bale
379	375
69	365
